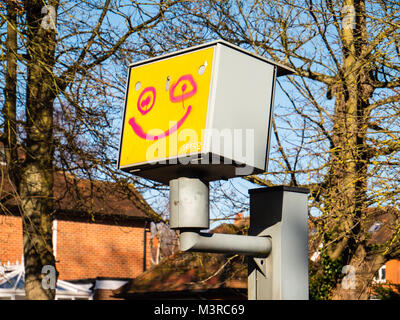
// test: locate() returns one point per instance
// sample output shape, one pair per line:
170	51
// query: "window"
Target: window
375	227
381	275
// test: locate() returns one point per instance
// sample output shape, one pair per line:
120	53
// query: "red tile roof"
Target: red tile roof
192	272
82	197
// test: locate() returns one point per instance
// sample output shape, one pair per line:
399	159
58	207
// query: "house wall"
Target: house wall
85	249
90	250
11	247
393	271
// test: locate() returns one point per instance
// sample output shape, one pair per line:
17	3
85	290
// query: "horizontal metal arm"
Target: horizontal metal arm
225	243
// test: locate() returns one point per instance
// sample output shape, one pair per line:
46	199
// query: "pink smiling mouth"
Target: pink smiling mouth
139	131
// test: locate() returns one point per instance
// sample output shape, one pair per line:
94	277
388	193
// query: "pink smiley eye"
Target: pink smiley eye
182	94
146	100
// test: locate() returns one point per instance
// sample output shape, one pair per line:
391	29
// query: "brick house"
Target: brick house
101	233
379	225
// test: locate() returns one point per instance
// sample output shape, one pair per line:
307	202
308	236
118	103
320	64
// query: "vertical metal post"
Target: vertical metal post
188	204
281	214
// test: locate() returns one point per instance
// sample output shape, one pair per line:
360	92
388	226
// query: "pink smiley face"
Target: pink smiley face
147	99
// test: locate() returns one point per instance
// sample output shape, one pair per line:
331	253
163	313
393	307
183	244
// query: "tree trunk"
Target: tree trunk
347	186
9	111
347	179
36	186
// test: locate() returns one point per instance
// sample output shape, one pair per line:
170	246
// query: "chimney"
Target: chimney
238	219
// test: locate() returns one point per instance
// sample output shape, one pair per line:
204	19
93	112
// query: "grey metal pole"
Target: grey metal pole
280	212
188	204
225	243
278	237
189	213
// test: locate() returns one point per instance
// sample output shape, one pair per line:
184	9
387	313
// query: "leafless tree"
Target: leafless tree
60	102
336	123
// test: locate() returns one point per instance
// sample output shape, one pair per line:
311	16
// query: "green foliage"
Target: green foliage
386	292
324	278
